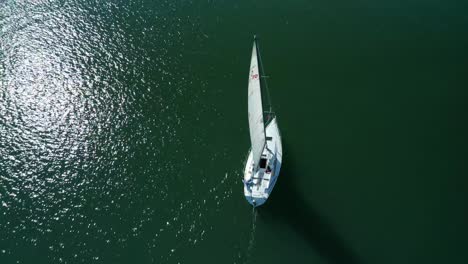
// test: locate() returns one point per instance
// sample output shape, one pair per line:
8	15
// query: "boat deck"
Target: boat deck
258	185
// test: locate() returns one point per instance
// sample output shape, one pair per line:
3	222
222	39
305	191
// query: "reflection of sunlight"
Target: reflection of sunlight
80	130
45	120
41	90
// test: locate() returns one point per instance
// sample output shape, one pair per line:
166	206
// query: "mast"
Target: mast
264	79
260	71
255	109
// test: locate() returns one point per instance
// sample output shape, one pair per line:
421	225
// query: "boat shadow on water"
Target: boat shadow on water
289	206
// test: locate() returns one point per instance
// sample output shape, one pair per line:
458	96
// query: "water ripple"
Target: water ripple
91	125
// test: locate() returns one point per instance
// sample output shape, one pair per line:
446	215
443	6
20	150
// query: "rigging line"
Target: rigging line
263	76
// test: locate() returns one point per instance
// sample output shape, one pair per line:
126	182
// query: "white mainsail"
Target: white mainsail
256	125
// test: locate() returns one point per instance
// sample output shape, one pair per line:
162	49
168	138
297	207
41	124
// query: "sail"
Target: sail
256	126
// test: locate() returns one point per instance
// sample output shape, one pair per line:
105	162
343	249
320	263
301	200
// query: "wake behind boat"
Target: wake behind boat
264	161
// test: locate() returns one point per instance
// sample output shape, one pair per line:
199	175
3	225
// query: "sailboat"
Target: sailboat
264	160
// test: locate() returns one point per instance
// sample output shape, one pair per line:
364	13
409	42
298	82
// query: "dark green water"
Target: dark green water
123	131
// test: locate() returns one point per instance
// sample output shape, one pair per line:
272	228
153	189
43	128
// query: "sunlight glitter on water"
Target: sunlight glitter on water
53	114
90	125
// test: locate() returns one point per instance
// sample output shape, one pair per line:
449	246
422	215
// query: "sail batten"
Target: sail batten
255	109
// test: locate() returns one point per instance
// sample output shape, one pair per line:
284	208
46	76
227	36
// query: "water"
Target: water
251	244
123	131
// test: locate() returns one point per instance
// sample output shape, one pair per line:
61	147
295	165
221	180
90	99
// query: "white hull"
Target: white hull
259	184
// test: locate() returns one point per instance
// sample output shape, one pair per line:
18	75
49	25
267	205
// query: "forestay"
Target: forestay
256	125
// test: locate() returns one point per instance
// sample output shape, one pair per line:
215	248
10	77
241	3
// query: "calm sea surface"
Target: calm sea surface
123	131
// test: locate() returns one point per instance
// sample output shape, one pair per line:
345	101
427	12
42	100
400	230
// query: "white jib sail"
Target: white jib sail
257	128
